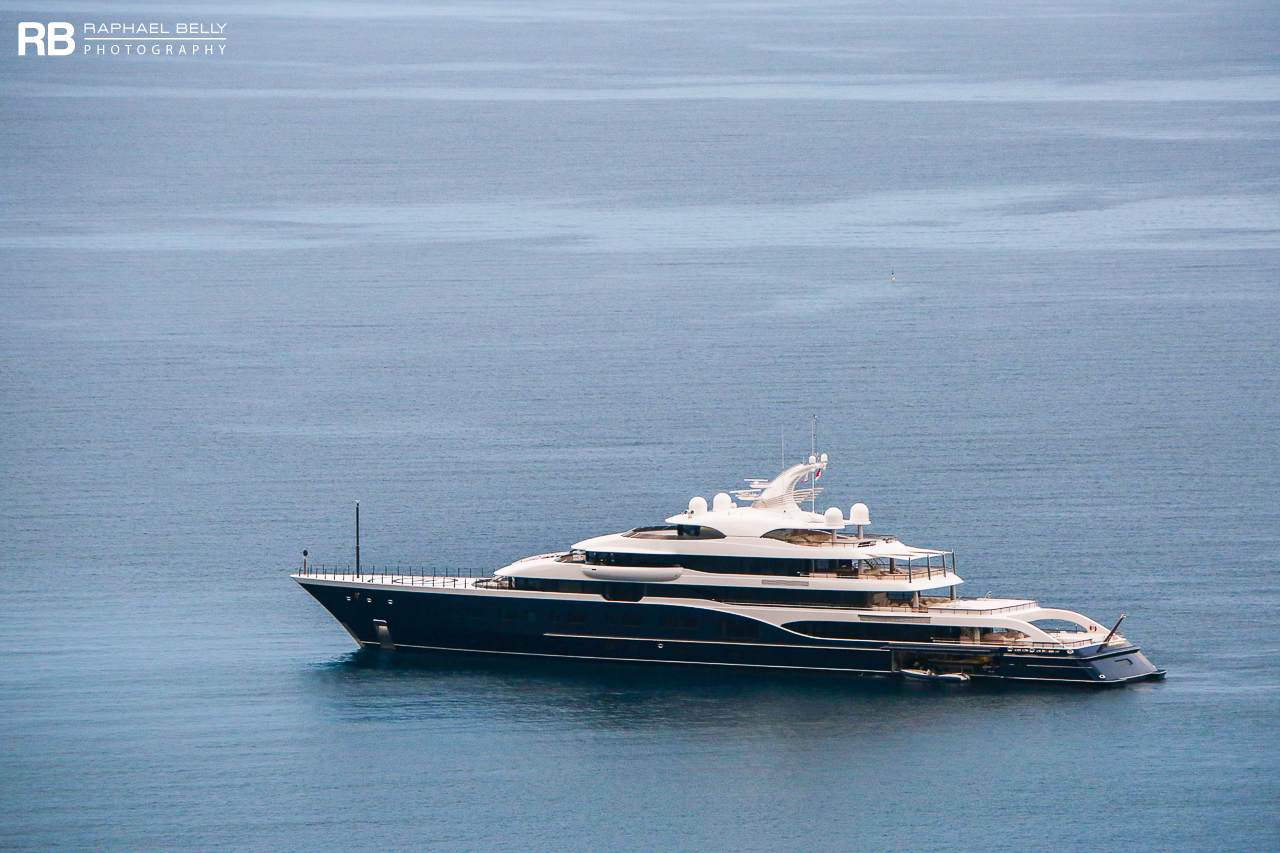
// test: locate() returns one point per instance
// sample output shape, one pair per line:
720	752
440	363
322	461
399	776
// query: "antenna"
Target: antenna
813	451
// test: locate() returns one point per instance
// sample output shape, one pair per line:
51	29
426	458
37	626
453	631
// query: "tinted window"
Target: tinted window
874	631
740	629
622	591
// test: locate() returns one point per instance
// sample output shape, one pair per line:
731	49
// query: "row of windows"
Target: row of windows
876	631
778	566
613	591
798	536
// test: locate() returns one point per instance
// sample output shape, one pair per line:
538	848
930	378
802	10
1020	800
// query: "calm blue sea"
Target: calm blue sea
513	274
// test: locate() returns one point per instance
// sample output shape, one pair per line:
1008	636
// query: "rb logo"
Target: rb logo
60	41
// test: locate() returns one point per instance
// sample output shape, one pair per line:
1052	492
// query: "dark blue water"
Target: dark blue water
515	275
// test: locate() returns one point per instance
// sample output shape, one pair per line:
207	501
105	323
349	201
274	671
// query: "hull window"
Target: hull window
875	631
622	591
739	629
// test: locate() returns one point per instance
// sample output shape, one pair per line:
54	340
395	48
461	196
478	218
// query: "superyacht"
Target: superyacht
751	580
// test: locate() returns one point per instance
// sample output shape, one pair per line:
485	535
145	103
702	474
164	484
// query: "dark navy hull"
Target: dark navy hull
505	622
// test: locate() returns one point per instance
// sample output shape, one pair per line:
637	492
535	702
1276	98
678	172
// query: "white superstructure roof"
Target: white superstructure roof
772	507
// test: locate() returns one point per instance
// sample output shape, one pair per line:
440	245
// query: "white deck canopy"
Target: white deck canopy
893	550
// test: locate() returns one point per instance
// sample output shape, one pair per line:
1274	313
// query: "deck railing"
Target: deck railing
417	575
987	611
901	570
1034	644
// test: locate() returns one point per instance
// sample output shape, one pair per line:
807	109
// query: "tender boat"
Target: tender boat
930	675
751	580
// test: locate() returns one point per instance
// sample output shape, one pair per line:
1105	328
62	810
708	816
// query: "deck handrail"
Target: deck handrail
984	611
339	572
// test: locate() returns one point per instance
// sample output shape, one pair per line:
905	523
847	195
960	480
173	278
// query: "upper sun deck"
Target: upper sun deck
773	505
812	543
772	526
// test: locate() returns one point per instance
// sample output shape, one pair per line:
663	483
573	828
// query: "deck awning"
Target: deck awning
895	551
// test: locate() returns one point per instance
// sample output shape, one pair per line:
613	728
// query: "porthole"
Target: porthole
388	601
